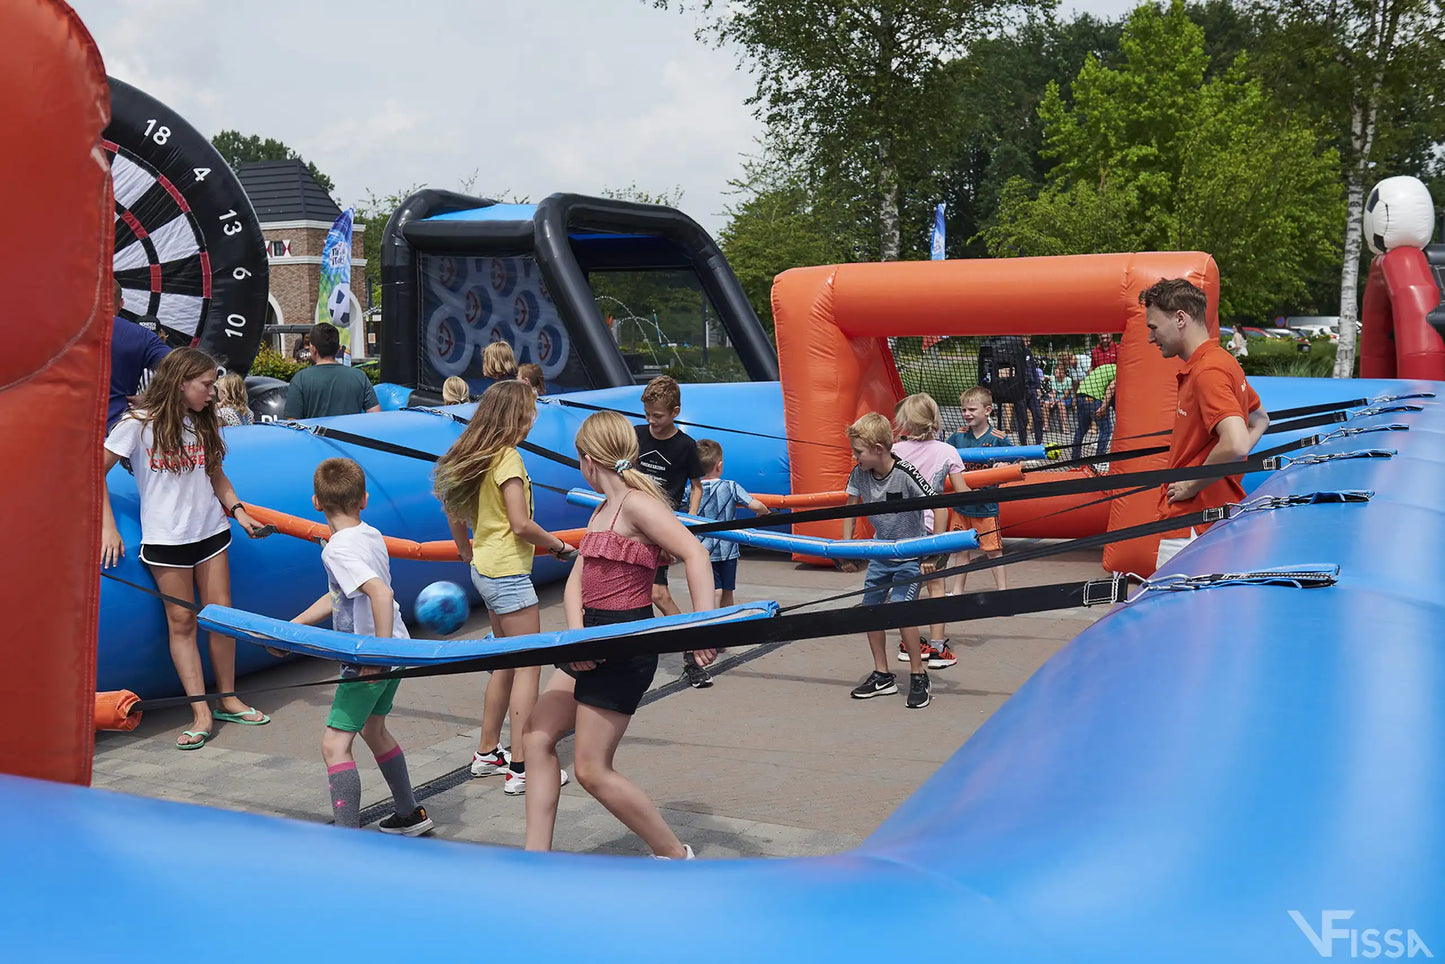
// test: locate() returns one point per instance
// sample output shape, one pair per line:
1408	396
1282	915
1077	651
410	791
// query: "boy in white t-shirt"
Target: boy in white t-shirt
360	601
916	425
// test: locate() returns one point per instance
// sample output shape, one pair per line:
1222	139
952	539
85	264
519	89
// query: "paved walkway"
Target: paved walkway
773	760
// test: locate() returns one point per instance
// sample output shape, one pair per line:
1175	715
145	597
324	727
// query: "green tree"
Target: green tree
1150	155
237	149
857	90
1372	74
783	221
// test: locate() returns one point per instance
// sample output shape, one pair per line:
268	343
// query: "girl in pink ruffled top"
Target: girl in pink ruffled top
611	583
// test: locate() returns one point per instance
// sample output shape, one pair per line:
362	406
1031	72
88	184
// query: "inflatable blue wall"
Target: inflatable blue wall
271	465
1199	776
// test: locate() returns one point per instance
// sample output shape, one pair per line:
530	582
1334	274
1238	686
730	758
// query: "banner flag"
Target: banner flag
334	301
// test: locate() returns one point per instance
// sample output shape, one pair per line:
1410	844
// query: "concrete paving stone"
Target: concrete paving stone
773	760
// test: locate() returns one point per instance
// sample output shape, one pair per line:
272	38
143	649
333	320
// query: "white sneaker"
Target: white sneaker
517	783
486	764
686	847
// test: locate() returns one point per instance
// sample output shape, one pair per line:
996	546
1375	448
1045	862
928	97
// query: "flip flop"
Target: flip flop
203	734
241	717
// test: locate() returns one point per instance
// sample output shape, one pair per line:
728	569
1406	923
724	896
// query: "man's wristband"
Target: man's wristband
232	510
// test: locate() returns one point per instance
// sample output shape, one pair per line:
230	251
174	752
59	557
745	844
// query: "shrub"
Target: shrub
273	364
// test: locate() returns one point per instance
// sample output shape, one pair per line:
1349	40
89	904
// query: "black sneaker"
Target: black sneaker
697	677
918	696
877	684
413	825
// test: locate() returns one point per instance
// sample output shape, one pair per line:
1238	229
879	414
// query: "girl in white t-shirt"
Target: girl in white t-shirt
173	441
916	425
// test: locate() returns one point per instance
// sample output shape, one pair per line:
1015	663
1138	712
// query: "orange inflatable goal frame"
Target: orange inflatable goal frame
833	323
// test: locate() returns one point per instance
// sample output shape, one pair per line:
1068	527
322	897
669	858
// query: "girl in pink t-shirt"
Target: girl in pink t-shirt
916	426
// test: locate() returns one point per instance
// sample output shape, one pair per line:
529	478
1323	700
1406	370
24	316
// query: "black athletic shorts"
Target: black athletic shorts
188	556
616	684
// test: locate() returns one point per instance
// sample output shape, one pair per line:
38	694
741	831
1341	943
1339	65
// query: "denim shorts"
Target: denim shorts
883	571
505	594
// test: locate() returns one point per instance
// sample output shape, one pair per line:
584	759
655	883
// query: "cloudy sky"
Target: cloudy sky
531	96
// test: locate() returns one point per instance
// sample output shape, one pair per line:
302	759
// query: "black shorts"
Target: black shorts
616	684
188	556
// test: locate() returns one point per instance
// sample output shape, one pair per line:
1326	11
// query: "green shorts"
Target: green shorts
354	703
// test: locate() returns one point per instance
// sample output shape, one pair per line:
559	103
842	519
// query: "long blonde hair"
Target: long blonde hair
917	417
231	391
164	406
500	422
610	440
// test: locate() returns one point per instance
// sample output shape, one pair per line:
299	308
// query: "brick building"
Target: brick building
295	213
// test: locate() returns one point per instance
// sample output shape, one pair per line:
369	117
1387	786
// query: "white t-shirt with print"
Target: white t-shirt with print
176	508
352	557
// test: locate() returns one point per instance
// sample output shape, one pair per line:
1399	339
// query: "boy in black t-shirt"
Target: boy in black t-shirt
668	456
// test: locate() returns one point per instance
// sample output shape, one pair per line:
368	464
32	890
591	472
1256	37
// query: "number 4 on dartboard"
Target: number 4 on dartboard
201	173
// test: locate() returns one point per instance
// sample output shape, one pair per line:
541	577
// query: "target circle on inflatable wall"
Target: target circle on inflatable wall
448	342
188	247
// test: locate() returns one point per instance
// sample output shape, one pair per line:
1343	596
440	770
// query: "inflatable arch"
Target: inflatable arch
833	325
459	272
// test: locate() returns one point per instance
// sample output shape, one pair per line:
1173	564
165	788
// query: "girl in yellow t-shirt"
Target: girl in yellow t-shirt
482	482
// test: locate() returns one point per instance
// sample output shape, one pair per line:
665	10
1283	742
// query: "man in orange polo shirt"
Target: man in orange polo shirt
1218	417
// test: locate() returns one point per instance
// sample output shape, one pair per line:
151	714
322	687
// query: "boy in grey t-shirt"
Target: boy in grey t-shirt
881	477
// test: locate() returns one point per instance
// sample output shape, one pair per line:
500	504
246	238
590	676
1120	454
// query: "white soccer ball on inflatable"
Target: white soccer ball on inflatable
1399	214
339	304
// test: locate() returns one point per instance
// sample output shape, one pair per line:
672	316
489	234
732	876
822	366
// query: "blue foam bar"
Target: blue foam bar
378	651
955	541
1004	453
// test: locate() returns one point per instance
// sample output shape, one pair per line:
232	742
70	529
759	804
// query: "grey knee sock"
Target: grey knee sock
345	785
393	767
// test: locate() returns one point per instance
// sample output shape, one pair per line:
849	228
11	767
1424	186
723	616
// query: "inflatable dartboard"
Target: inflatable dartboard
188	247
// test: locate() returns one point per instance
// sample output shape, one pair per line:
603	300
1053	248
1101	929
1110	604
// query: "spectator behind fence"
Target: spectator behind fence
329	387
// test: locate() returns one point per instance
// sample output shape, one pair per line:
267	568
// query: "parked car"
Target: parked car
1316	331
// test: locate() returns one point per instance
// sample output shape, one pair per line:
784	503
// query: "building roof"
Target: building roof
286	191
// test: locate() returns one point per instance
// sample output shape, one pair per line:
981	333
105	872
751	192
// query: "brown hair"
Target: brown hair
709	453
917	418
1175	294
500	422
872	429
979	394
325	339
531	373
663	389
340	485
498	362
608	439
164	406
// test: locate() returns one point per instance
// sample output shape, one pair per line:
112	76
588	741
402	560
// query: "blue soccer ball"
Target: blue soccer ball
442	607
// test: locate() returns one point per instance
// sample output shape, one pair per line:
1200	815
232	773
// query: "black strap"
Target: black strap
1041	490
711	428
848	621
1203	517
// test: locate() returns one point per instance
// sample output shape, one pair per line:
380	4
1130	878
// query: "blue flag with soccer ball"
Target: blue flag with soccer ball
936	247
334	301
